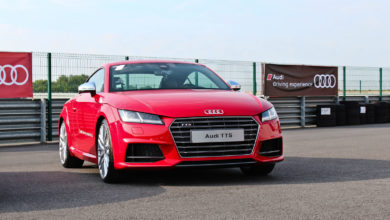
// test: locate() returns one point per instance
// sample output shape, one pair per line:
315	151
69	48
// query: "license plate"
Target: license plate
222	135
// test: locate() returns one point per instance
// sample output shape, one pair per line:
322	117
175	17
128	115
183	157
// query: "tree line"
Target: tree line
67	84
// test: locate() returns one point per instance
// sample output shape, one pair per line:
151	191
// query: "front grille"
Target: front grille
181	132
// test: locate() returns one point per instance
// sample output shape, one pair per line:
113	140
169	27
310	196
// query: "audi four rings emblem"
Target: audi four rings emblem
324	81
13	75
213	112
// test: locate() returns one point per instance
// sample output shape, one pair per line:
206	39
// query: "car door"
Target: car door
73	123
87	108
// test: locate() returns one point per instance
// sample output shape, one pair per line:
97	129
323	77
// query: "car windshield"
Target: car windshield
154	76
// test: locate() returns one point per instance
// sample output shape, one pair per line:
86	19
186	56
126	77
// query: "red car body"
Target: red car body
82	114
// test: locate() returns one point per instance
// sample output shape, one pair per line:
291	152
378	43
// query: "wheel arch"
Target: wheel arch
107	113
60	120
98	122
64	118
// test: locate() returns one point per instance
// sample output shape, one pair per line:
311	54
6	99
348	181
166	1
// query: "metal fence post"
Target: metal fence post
43	120
127	76
344	83
380	84
196	75
49	104
303	111
254	79
366	99
337	100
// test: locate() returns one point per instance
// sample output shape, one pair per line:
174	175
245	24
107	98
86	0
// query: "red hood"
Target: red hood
187	103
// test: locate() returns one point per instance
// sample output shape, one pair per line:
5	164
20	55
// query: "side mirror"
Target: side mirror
234	85
88	87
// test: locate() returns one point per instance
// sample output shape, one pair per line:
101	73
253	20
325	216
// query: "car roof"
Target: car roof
146	61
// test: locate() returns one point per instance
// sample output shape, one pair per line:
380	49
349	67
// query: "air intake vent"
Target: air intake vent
143	153
271	148
181	131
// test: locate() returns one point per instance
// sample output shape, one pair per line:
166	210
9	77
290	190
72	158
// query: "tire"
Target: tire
258	170
104	154
67	160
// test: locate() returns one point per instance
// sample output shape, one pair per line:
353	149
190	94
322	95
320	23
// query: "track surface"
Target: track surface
328	173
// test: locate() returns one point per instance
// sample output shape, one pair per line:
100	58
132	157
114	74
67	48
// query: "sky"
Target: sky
330	32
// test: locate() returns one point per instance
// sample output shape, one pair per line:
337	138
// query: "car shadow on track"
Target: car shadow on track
31	191
294	170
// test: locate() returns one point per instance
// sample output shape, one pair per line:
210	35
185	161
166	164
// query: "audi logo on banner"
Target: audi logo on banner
18	75
322	81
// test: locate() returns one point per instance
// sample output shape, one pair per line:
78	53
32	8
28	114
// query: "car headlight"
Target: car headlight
139	117
269	115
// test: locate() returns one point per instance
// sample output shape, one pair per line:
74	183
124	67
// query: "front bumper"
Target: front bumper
133	133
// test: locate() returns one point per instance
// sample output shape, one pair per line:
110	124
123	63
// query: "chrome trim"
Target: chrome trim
89	155
253	147
145	157
234	85
269	152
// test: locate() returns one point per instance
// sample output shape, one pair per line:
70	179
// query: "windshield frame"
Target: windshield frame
210	74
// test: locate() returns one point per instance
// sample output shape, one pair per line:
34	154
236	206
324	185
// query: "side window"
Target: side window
134	81
98	79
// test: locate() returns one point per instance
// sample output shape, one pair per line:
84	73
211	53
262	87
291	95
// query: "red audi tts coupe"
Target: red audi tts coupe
166	114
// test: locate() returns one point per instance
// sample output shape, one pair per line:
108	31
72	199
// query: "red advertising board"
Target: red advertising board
15	75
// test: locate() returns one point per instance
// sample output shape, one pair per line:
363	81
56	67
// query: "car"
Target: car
167	114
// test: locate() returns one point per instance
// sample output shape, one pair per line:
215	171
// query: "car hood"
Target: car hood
187	103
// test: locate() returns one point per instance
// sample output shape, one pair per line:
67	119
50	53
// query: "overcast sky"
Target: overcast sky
327	32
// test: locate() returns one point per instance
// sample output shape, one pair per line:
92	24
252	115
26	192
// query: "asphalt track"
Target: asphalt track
328	173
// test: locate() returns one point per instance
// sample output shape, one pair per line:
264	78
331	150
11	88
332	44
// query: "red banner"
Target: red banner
15	75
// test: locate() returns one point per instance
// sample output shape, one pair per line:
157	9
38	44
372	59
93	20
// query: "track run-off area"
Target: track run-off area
328	173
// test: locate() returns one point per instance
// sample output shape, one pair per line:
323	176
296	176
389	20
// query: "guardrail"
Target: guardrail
21	120
298	111
25	120
301	111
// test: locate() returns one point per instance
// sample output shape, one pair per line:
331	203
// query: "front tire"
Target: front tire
104	154
67	160
258	170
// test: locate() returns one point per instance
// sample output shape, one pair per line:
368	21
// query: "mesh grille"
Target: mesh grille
271	148
181	132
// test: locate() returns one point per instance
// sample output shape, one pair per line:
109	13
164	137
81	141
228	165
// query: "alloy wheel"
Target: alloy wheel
63	144
104	145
